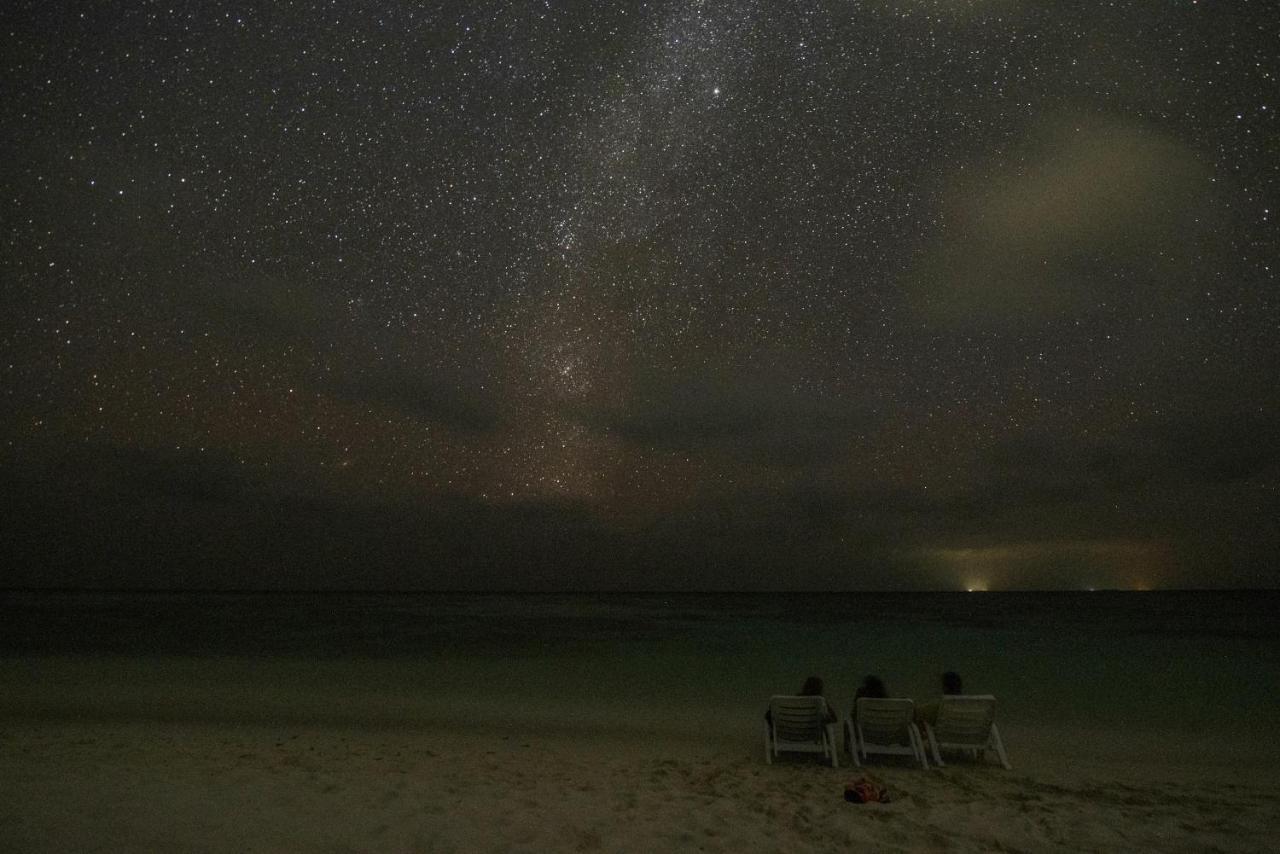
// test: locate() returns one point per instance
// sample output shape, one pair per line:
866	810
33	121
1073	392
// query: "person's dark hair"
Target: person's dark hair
951	683
872	686
812	687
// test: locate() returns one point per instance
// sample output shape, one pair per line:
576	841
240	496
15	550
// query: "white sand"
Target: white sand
134	786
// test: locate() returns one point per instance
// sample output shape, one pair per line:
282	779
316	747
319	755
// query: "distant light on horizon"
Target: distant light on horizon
1067	564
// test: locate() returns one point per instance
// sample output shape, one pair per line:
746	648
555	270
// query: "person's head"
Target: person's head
873	686
951	683
812	687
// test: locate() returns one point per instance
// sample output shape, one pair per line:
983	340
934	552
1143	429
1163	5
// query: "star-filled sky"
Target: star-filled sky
714	295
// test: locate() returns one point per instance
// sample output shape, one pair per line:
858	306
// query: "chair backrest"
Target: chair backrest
797	719
965	718
884	720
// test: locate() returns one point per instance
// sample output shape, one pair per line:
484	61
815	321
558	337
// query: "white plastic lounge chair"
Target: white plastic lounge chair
966	722
799	725
884	726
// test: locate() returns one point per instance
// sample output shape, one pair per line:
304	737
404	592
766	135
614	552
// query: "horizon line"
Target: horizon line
389	591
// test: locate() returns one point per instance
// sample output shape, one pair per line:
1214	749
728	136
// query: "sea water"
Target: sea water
1170	660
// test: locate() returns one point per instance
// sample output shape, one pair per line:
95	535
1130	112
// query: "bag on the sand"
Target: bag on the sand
864	791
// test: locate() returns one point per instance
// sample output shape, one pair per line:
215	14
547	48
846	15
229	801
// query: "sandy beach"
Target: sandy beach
146	786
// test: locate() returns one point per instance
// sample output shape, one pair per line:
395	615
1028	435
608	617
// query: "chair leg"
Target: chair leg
998	744
933	741
768	754
851	745
829	733
917	745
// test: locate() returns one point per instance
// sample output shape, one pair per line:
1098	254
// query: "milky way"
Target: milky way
842	295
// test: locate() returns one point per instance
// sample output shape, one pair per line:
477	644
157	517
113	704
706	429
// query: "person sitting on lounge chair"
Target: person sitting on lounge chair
872	686
813	687
927	713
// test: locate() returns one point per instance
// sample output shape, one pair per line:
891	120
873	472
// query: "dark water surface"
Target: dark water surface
426	624
1192	659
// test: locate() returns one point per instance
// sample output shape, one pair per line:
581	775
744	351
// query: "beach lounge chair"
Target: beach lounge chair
799	725
966	722
884	726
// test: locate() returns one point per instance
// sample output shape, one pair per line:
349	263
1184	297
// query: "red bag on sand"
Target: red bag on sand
863	791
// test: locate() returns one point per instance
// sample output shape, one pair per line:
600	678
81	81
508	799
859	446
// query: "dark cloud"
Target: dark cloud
1183	456
92	471
1202	450
1151	478
268	312
460	400
761	419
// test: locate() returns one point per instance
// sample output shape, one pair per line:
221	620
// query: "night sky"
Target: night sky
587	295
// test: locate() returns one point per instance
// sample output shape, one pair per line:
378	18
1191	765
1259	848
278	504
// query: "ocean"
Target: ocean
1193	660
